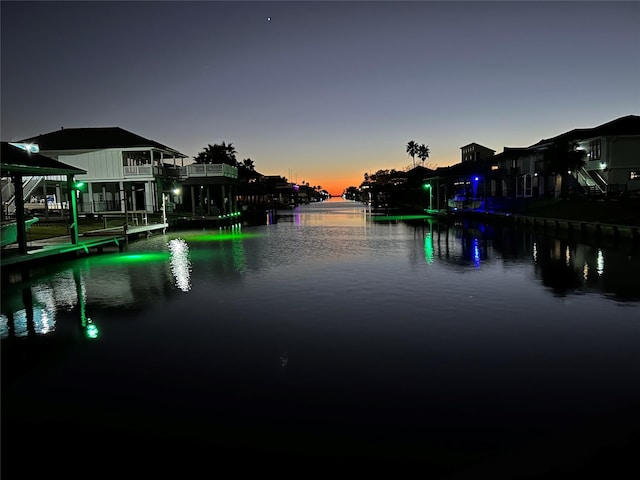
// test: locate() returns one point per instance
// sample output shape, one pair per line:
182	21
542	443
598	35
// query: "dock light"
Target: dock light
427	186
79	185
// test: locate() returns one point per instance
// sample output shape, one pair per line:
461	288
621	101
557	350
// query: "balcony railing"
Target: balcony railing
210	170
139	170
194	170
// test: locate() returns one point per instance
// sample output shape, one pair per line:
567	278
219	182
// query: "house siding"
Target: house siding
626	151
100	165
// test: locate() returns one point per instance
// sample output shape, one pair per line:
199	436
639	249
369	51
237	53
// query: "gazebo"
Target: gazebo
22	160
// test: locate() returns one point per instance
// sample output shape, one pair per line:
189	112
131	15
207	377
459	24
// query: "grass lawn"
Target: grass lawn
57	227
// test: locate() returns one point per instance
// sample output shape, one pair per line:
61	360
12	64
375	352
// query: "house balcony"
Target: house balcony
209	170
142	171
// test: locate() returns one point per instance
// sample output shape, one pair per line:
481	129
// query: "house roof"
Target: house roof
95	139
473	144
465	168
16	160
510	153
628	125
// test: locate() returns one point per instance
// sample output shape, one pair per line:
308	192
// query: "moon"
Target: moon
268	19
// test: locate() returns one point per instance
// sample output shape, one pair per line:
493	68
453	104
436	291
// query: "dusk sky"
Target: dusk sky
322	91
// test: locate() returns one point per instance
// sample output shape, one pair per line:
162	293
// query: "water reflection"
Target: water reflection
158	269
180	263
400	335
36	311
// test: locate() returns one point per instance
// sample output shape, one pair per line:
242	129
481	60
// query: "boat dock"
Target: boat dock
95	241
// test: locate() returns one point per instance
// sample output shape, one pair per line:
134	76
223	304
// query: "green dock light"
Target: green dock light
78	185
427	186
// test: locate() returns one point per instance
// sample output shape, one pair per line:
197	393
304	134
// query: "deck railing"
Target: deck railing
209	170
137	170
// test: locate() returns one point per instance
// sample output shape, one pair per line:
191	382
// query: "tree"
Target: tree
248	164
563	157
217	153
423	152
412	150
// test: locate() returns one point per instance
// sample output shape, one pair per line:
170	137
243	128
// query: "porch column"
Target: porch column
122	196
149	197
92	208
193	201
234	198
73	210
224	197
19	204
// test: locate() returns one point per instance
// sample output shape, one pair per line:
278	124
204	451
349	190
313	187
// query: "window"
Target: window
594	150
136	158
634	175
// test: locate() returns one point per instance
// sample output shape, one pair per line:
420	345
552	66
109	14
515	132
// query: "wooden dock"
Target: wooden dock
94	241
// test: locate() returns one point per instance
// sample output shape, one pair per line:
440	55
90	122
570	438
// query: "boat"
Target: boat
10	230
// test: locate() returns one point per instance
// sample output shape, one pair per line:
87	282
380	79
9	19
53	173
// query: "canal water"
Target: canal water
328	338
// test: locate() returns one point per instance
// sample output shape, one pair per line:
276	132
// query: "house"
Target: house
611	155
463	185
518	173
474	152
605	158
123	170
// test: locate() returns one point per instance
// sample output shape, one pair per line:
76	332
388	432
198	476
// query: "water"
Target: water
326	340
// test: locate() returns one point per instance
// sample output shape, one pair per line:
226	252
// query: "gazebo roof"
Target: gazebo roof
16	160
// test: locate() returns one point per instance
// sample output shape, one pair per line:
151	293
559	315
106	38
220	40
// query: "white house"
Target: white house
124	170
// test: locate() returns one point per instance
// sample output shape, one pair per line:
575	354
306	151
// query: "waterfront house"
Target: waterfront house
609	162
474	152
124	171
611	156
603	160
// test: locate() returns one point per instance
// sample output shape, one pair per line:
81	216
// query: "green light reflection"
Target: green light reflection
428	248
388	218
127	258
91	330
220	236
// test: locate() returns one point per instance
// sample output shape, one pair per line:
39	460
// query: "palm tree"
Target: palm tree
217	153
561	158
230	152
423	152
412	150
248	164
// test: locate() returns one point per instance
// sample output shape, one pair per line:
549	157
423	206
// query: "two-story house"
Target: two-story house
611	154
611	162
474	152
124	171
